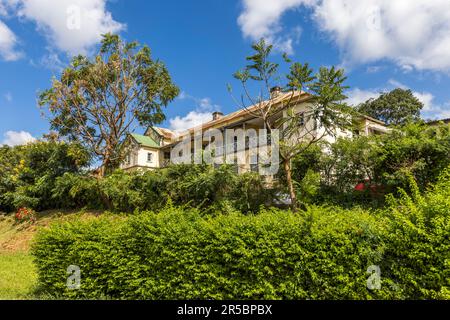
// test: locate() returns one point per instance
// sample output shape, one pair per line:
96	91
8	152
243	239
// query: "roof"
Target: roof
165	133
293	96
373	119
144	140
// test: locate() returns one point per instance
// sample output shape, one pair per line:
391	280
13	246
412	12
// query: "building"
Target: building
155	148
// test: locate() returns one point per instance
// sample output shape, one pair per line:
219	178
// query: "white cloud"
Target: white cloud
202	113
426	98
193	119
8	44
413	34
72	26
357	96
261	19
397	84
14	138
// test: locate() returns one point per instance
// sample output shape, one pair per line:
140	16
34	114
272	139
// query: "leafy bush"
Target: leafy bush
320	253
417	258
382	162
28	173
198	186
181	254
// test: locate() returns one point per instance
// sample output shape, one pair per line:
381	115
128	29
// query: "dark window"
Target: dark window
301	119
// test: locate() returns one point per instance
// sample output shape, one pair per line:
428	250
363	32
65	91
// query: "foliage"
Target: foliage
97	102
319	253
383	163
396	107
29	172
198	186
418	248
180	254
423	151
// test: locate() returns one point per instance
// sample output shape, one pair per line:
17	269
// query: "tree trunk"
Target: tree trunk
290	182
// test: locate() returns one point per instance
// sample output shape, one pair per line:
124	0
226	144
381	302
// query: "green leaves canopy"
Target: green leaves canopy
396	107
98	101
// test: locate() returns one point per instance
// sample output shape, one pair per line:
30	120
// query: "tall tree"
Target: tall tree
395	108
98	101
298	131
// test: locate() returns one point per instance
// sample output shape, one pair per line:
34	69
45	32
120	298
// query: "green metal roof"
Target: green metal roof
145	140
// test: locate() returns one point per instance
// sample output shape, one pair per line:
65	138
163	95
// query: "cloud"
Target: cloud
71	26
8	44
191	120
427	99
202	113
412	34
357	96
261	19
14	138
50	61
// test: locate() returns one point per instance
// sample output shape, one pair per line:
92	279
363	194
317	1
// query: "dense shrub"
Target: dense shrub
417	258
320	253
198	186
382	162
28	173
179	254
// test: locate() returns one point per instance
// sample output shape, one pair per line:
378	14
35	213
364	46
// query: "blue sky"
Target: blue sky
383	44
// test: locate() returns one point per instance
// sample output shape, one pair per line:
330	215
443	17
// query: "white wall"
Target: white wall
138	158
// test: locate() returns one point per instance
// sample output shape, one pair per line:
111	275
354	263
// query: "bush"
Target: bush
417	258
197	186
180	254
320	253
28	173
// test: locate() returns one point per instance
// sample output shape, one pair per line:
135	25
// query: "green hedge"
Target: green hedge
321	253
179	254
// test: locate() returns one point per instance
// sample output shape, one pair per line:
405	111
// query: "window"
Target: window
301	119
254	163
149	157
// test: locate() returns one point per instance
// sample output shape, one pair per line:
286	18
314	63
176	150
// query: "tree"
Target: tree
28	173
327	109
98	101
395	108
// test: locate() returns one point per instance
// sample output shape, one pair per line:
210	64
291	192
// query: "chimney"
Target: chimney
217	115
275	92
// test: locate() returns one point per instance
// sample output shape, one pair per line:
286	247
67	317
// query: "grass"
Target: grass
17	276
